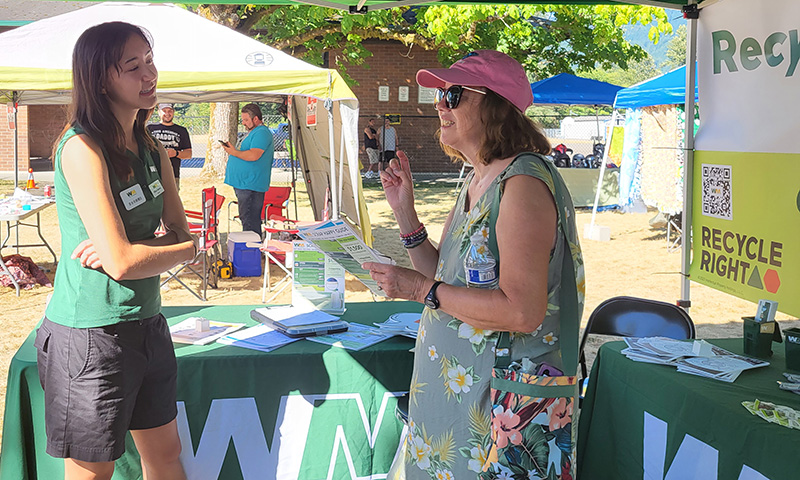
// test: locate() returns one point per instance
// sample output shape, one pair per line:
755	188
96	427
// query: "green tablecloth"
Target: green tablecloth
303	411
650	421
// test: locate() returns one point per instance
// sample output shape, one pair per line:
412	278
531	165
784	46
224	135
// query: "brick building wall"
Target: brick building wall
39	126
393	65
46	124
7	143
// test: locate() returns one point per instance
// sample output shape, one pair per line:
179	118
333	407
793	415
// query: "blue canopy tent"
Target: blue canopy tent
667	89
566	89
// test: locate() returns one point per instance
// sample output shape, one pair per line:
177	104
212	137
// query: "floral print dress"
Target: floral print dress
450	422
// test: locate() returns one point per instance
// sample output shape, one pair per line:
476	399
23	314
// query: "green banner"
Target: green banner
746	225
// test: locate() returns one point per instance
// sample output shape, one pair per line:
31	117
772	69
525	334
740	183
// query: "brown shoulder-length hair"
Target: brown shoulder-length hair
506	132
98	50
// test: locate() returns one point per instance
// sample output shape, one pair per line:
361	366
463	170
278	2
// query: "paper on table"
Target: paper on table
184	332
261	337
358	337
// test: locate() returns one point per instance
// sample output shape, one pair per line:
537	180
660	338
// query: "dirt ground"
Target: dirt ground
635	262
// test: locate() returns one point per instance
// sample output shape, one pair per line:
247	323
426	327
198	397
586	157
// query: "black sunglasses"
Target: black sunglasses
452	96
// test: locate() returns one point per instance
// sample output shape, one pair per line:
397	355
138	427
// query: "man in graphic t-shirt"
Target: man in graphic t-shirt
174	137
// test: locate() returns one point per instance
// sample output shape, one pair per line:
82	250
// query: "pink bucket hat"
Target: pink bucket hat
484	68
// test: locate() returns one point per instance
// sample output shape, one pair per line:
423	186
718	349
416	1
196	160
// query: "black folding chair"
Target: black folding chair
635	317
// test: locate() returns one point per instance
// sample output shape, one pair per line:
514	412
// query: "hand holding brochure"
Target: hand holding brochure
337	240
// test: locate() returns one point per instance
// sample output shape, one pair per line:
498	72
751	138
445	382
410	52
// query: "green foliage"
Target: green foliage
546	39
636	72
676	49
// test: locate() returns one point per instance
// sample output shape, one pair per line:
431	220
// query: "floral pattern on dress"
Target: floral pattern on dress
458	379
451	434
433	455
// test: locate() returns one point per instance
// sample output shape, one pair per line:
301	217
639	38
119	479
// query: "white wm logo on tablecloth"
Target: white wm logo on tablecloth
237	420
695	460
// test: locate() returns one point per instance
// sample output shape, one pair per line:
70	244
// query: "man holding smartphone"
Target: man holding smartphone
250	167
174	137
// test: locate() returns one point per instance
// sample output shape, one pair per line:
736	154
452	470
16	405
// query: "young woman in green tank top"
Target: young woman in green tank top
105	357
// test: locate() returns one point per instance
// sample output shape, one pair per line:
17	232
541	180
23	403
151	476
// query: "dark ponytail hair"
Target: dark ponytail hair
97	51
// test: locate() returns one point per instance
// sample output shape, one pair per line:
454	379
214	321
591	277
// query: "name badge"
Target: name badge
156	188
132	197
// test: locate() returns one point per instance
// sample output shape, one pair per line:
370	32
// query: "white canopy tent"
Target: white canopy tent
202	61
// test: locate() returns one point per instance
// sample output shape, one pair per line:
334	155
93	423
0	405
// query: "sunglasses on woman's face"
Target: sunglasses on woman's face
452	96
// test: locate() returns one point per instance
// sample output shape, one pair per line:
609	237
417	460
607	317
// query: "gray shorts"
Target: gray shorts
374	156
101	382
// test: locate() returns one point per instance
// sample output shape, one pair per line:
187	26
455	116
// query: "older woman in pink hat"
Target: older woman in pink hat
503	289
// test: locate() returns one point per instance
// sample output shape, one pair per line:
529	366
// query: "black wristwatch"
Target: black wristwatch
430	299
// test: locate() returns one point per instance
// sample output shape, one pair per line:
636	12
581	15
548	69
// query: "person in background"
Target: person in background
174	137
514	206
389	140
250	167
104	352
371	146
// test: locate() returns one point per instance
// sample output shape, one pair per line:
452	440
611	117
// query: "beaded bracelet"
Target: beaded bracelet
415	232
415	240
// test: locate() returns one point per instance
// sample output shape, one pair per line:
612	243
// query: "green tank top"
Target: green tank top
84	297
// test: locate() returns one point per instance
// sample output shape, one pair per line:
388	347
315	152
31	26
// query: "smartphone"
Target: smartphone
223	142
547	370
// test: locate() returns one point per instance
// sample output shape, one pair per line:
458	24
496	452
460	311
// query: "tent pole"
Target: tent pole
688	165
602	169
341	168
15	103
294	166
332	148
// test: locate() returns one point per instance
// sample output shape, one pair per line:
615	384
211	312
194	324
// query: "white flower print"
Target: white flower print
475	335
478	455
549	339
459	380
535	333
444	475
432	353
421	333
420	452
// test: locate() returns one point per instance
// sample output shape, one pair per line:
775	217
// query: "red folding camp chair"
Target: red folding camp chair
208	251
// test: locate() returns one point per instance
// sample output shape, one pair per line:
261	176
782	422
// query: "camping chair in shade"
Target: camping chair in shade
204	263
275	207
635	317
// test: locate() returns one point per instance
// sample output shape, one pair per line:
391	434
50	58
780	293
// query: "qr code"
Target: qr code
716	196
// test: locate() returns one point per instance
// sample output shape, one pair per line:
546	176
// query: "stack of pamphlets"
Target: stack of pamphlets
716	362
406	324
780	414
337	240
189	330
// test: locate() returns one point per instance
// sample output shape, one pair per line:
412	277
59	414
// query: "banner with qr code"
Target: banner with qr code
746	225
746	174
